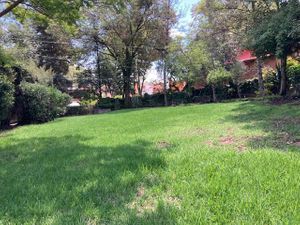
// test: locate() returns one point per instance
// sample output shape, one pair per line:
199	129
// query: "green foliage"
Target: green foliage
65	12
6	97
5	59
107	103
39	74
218	76
277	33
187	62
86	107
42	103
293	72
271	81
79	110
136	101
178	98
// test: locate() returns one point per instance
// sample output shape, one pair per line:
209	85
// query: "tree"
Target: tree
237	69
216	77
128	29
53	51
279	34
6	99
188	62
52	9
225	26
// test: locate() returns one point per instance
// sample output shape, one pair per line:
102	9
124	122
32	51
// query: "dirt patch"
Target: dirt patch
238	143
140	192
241	148
229	140
209	143
163	145
173	201
91	221
141	203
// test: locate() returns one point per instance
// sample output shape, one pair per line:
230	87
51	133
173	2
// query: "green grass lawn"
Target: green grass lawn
227	163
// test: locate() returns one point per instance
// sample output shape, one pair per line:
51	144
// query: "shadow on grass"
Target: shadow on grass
65	180
280	124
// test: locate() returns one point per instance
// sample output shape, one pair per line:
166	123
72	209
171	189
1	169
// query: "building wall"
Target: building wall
251	67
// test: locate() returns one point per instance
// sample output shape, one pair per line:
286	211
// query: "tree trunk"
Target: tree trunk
99	75
126	74
141	84
165	84
283	80
261	87
127	71
239	92
10	7
214	93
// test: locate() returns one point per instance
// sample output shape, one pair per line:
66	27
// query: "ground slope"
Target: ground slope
229	163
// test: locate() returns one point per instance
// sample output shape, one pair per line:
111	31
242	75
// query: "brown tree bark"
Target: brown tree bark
214	93
127	72
283	81
10	7
261	87
239	92
165	84
99	72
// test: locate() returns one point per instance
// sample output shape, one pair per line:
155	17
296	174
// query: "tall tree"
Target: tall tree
127	29
278	34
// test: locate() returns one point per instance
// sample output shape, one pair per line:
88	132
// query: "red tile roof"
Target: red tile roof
246	55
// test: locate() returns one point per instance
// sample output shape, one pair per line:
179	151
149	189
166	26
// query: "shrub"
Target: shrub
86	107
6	97
249	87
218	76
42	103
136	101
271	81
180	98
293	72
202	99
78	110
106	103
153	100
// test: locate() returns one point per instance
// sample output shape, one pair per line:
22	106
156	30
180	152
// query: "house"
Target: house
247	58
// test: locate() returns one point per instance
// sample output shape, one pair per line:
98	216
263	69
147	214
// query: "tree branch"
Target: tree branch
10	7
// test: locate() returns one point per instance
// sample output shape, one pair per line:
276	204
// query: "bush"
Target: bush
293	72
153	100
136	101
180	98
271	81
42	103
6	97
79	110
202	99
249	88
106	103
86	107
218	76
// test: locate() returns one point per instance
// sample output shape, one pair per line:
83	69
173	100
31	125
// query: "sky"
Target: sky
184	10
